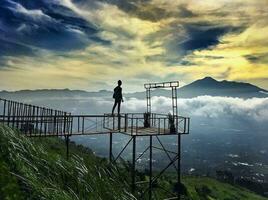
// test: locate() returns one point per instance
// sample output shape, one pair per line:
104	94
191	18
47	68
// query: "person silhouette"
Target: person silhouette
117	97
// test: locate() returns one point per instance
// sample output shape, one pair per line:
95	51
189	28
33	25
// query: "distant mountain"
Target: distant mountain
205	86
212	87
52	93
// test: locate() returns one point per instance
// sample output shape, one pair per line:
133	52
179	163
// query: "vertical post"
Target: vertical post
119	122
103	123
179	166
67	146
111	148
41	120
45	121
148	98
17	115
64	123
23	118
83	124
134	164
176	110
13	113
78	124
54	122
37	119
150	169
29	122
8	112
126	122
4	111
164	125
132	119
57	122
71	124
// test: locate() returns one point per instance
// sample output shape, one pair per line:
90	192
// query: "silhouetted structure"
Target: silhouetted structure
36	121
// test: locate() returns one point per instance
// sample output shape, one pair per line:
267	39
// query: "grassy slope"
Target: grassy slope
36	168
208	188
41	172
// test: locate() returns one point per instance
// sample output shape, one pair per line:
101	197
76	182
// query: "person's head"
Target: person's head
119	82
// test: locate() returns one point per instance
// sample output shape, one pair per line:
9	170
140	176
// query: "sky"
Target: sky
90	44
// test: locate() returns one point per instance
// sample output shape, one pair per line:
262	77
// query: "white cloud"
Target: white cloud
35	14
207	106
218	108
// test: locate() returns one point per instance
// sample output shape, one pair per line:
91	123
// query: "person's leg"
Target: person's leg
118	107
114	106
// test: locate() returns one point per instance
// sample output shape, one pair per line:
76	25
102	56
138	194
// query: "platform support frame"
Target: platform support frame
149	190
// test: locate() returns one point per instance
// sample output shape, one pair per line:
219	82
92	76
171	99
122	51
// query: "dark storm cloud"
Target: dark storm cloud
203	36
42	24
184	38
8	48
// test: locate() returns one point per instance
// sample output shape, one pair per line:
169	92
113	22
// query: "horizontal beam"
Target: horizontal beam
162	85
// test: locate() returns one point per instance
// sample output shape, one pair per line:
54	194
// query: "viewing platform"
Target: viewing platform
36	121
140	124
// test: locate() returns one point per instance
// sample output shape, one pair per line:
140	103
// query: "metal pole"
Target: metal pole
119	122
126	121
111	147
83	124
8	111
150	170
133	164
67	146
37	118
45	121
13	114
4	112
179	165
64	123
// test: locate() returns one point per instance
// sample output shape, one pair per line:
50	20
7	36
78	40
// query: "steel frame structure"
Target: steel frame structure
36	121
152	179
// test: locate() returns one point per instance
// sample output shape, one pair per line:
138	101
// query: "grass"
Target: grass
41	172
210	189
37	168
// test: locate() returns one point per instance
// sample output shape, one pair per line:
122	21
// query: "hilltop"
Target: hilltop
37	169
212	87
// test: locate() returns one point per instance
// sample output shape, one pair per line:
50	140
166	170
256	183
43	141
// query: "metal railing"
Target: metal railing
34	120
40	121
147	123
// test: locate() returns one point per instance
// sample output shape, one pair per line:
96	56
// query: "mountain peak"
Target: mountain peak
204	82
208	78
212	87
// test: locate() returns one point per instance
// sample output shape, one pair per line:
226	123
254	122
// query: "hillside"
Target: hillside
37	169
210	189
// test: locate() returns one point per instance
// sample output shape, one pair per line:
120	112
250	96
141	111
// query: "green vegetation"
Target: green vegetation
36	168
209	189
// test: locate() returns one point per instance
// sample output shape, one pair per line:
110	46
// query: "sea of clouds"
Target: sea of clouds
201	106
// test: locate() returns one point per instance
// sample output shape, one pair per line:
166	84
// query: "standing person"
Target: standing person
117	97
